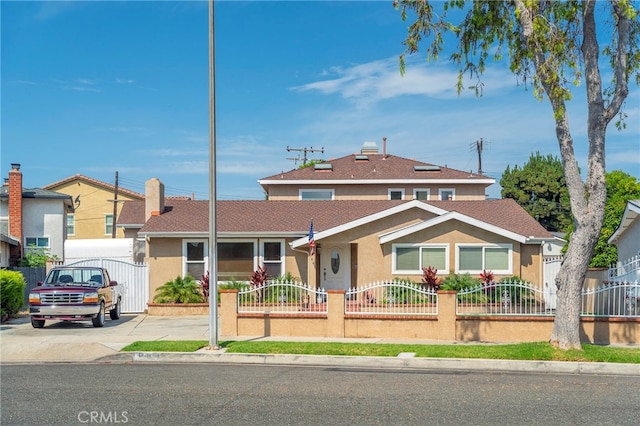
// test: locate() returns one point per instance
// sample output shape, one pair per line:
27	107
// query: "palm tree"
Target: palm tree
180	290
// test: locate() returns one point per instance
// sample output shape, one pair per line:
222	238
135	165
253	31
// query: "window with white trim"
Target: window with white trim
71	224
396	193
317	194
447	193
108	224
195	258
474	258
411	258
36	242
272	257
421	194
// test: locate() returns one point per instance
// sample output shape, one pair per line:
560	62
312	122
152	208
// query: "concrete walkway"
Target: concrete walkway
81	342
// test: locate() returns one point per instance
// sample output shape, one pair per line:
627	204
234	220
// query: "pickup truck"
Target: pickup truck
71	293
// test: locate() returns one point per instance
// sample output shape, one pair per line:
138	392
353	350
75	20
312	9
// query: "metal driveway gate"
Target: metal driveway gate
132	278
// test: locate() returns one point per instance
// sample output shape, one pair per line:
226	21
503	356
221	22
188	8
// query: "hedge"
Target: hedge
12	287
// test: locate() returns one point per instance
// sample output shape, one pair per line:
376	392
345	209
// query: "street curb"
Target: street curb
482	365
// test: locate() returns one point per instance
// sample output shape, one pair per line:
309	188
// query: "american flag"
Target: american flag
312	241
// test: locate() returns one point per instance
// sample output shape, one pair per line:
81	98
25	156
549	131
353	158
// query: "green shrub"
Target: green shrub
459	282
180	290
36	257
12	287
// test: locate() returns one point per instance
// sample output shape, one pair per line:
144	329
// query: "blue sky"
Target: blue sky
99	87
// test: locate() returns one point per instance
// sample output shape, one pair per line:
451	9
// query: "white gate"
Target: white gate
132	278
551	269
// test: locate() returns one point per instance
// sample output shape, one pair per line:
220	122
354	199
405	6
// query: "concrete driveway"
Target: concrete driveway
80	341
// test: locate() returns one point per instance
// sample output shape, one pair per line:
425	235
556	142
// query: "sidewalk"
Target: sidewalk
81	342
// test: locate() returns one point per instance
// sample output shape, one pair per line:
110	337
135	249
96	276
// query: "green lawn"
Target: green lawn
522	351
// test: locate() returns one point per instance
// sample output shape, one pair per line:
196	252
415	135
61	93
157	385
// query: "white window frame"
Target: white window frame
315	190
508	271
452	190
400	190
416	190
185	260
418	271
281	261
71	218
37	245
106	224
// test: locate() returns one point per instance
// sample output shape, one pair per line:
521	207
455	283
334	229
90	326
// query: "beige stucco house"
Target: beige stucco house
94	200
359	239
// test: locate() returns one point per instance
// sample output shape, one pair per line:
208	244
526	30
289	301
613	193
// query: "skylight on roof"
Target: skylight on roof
323	166
362	157
427	168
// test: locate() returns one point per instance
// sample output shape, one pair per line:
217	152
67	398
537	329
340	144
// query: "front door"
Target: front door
335	267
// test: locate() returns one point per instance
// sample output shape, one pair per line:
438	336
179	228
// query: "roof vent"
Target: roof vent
426	168
362	157
323	166
369	148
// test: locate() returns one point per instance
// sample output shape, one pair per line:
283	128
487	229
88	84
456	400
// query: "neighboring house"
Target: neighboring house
31	218
94	200
358	241
627	239
374	176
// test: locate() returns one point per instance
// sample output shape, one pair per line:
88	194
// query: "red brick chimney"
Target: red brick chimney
15	202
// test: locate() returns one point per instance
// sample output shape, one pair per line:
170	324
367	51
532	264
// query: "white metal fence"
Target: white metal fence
617	299
392	298
282	297
628	270
504	298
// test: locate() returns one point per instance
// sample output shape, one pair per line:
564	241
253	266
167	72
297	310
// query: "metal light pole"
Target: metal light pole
213	242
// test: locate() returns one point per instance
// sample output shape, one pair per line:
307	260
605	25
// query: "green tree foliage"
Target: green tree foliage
12	287
621	187
540	188
180	290
554	46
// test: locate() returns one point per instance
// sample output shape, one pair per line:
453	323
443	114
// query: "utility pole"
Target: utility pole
115	208
304	150
479	147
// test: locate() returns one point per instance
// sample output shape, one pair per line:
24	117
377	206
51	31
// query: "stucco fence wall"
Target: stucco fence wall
446	326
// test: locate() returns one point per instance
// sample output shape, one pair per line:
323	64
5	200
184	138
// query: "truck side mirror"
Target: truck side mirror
113	283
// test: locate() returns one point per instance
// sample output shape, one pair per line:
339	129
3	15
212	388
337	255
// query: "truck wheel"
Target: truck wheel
115	312
98	321
36	323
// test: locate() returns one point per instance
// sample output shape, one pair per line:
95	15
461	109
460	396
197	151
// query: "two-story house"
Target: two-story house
394	217
94	214
31	218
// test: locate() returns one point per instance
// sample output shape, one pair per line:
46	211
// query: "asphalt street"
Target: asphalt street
81	342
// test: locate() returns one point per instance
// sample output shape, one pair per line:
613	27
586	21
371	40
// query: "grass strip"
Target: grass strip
535	351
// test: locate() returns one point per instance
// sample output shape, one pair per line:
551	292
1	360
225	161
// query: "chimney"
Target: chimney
384	147
153	198
15	202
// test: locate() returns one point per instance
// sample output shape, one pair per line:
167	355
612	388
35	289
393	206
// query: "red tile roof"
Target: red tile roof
293	216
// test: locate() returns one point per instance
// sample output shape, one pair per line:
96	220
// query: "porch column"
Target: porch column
312	262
